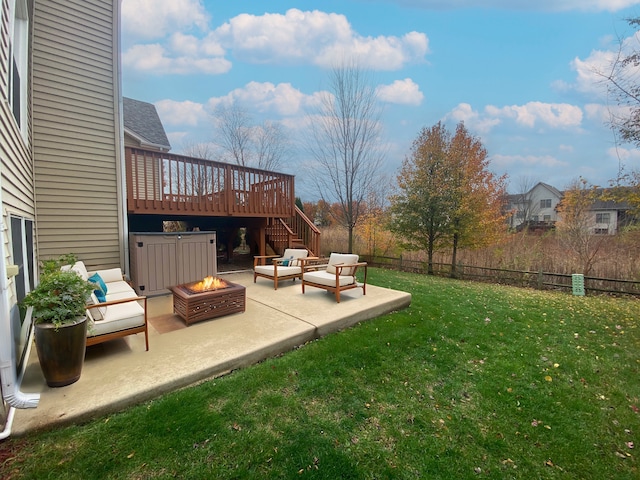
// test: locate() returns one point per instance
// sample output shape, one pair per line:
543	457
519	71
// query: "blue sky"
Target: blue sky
519	73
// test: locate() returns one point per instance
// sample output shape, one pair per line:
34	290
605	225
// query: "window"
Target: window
601	231
18	64
547	218
22	250
602	218
23	256
545	203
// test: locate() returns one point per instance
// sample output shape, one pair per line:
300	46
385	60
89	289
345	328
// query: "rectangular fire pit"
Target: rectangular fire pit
209	298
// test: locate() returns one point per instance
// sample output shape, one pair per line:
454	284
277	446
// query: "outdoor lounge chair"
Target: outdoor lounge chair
120	313
337	275
281	268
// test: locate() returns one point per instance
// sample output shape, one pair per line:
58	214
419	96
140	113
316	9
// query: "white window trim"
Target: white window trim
19	41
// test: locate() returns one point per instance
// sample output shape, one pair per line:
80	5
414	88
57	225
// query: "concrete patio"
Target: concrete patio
121	373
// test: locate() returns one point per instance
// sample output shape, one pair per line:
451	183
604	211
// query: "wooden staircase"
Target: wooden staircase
293	232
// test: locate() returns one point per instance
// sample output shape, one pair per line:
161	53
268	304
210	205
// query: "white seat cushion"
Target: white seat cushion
329	279
118	317
120	287
80	269
120	295
282	271
342	259
110	275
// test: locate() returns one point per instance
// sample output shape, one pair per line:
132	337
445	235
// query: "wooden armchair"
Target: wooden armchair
337	275
280	268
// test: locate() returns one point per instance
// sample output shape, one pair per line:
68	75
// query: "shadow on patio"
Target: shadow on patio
121	373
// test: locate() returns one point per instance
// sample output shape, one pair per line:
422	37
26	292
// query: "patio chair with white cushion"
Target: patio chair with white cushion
337	275
280	268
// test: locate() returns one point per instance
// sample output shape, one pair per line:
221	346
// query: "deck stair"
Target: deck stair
293	232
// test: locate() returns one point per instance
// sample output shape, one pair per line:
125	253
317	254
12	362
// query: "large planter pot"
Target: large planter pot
61	351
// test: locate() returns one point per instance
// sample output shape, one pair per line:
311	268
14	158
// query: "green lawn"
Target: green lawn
471	381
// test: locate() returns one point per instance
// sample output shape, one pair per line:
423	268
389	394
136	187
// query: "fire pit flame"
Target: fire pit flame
207	284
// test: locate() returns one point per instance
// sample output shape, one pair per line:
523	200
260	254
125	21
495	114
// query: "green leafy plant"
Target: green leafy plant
61	296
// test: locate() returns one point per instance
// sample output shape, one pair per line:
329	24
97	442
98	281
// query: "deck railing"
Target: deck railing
166	183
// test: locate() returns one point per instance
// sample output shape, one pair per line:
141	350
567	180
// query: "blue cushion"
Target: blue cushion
100	295
97	279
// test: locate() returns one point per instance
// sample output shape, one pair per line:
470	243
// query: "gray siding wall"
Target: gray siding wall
15	164
15	153
77	138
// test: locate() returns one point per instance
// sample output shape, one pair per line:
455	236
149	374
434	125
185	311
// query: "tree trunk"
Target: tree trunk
454	256
430	257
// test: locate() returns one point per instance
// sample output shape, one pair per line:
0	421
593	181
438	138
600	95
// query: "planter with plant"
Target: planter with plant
59	315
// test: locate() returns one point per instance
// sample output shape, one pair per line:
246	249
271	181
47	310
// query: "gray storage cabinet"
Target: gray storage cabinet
161	260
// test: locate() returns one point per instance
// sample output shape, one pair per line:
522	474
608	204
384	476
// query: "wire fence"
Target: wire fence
520	278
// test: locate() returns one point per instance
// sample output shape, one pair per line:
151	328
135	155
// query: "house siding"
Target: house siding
77	142
15	153
16	182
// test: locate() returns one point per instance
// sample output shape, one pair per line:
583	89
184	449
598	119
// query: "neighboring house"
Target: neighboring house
608	216
536	209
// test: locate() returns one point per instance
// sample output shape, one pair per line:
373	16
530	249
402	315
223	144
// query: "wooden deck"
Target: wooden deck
169	184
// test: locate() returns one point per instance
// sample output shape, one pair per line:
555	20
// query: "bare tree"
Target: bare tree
622	81
345	143
271	145
264	146
576	224
197	176
525	207
205	150
233	125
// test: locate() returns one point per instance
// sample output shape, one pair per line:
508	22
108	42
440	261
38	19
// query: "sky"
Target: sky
522	75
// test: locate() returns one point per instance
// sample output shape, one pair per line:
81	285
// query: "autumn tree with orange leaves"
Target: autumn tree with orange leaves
478	195
447	197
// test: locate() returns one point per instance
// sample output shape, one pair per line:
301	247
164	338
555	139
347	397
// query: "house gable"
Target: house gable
142	126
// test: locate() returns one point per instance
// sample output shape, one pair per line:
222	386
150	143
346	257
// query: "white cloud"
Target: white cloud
529	115
152	19
321	38
557	115
603	113
626	155
156	59
514	161
181	113
592	72
282	98
405	92
566	148
540	5
472	119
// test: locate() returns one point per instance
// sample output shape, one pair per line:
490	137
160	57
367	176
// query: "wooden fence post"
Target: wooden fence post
539	279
